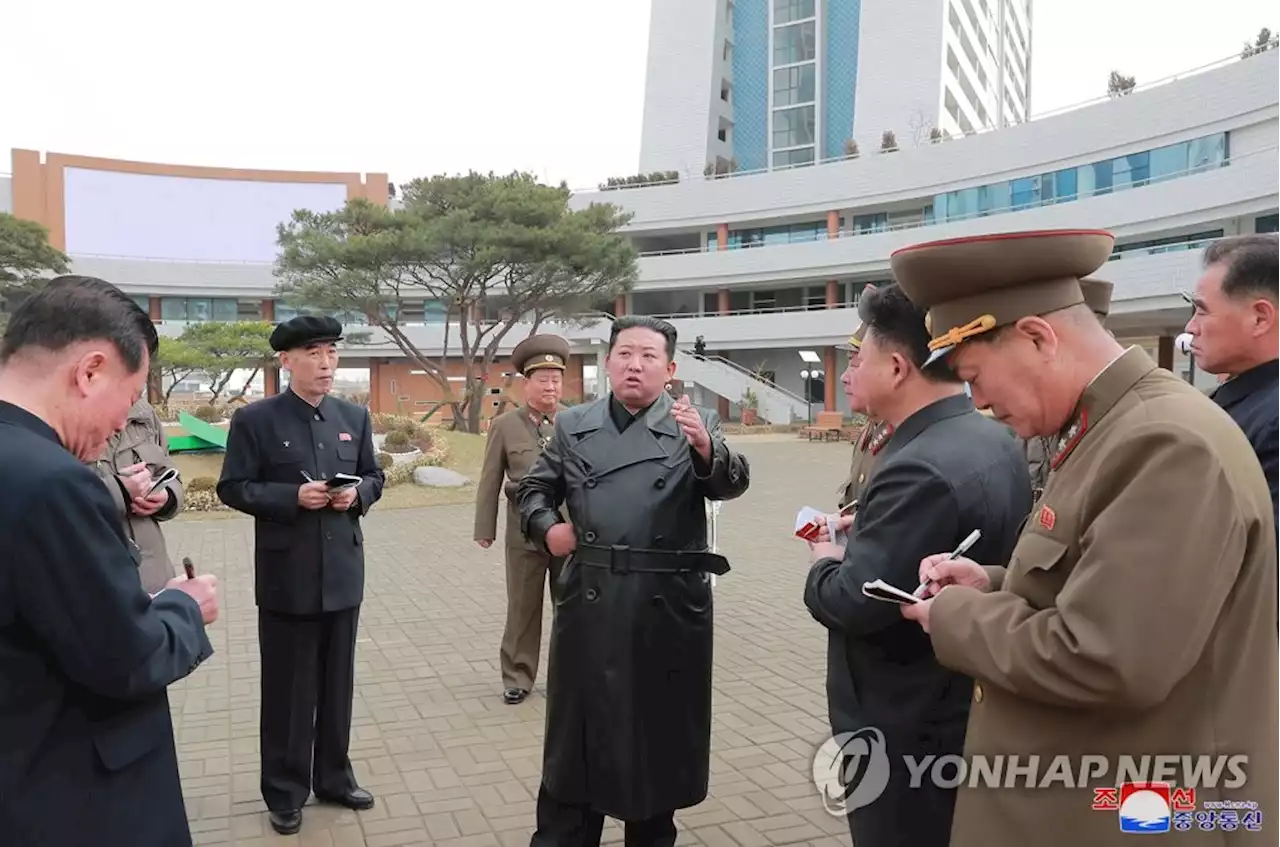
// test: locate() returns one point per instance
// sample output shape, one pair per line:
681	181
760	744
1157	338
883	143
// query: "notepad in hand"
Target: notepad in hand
881	590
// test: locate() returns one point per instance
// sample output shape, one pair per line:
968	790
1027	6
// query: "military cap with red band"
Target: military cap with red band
974	285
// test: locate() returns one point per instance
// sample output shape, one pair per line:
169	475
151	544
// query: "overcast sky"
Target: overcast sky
418	87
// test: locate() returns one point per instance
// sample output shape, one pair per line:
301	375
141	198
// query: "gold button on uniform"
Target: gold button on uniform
977	692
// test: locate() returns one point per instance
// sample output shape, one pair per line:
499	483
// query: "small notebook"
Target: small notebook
881	590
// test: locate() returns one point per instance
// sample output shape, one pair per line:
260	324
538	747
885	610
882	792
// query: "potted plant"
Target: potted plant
750	403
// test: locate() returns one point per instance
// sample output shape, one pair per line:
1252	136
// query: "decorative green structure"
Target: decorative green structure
202	437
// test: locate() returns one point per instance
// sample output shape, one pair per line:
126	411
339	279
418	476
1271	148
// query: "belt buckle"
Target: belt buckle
619	558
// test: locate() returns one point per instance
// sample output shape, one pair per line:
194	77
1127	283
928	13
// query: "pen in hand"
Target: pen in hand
188	567
968	542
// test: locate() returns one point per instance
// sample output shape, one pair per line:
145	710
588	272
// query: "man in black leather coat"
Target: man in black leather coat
629	682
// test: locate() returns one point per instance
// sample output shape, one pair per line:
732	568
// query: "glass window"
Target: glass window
993	199
710	303
795	43
786	11
199	309
433	312
777	235
173	309
962	204
793	85
1132	170
1208	152
802	156
793	127
1170	161
739	301
878	222
1266	223
226	310
713	240
1024	193
285	312
143	301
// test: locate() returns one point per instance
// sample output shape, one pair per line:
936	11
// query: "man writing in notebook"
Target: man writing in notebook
944	472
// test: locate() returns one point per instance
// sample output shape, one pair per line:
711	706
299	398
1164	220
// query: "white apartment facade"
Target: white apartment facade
751	85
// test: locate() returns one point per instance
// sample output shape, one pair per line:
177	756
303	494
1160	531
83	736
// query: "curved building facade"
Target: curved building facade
765	267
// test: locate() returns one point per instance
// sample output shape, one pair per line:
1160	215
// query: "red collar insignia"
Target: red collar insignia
1068	440
880	438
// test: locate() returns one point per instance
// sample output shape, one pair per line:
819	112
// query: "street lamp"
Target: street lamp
808	397
810	358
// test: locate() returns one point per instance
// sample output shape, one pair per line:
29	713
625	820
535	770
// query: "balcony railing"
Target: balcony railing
1267	153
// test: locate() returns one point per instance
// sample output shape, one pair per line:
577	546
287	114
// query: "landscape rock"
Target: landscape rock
439	478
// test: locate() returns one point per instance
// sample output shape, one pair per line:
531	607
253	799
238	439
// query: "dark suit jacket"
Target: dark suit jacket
1251	400
306	561
946	471
86	743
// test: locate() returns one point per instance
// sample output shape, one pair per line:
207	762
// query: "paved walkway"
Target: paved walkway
449	762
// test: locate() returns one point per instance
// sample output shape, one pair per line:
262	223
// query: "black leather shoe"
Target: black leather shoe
356	798
514	695
287	823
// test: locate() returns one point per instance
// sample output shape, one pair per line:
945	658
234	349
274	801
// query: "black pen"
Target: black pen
969	541
188	567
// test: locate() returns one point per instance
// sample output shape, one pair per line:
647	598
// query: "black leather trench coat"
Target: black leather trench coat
629	682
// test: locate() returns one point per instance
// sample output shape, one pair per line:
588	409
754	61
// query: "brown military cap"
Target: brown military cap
540	351
974	285
854	344
1097	296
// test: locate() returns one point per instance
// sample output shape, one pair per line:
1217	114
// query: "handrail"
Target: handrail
1146	86
749	374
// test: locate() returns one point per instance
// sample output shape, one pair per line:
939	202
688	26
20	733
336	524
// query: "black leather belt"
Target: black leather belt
620	558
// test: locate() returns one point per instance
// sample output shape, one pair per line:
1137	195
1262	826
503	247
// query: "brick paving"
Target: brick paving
449	762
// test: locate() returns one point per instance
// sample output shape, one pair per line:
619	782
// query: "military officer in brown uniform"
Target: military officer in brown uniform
515	442
1136	616
1097	296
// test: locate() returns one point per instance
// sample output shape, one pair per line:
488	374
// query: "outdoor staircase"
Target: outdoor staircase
731	380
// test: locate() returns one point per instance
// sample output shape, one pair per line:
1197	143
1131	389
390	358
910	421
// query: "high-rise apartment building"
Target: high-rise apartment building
775	83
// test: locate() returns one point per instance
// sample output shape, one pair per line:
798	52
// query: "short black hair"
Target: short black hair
71	309
1251	262
899	323
658	325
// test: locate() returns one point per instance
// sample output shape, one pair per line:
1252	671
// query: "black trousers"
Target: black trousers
308	674
563	824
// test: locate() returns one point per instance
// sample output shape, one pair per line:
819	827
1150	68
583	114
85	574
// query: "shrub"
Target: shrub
402	473
385	460
203	501
850	147
888	142
397	442
202	483
208	413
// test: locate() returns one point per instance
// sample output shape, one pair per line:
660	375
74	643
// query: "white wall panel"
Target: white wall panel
1247	187
110	213
681	84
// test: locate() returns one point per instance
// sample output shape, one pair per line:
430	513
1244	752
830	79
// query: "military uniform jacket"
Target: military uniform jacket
306	562
629	678
86	657
1136	617
866	453
142	440
945	472
513	445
